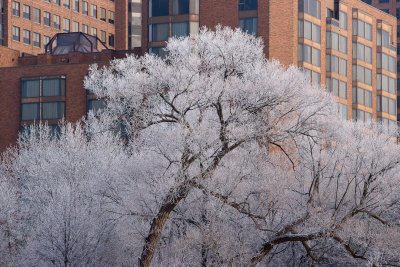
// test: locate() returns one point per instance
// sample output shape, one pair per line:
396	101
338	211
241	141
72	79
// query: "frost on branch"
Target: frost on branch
229	160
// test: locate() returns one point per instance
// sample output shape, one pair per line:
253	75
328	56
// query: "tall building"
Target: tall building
28	25
347	46
391	7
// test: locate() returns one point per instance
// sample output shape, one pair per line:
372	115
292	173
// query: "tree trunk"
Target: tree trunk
157	225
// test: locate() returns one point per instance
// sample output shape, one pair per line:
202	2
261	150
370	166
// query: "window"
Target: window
84	28
388	124
84	8
180	29
336	41
385	83
336	64
158	8
27	37
16	33
362	52
102	14
46	18
159	51
16	8
382	38
111	39
75	26
53	110
26	12
96	105
66	25
248	25
94	11
93	32
398	13
362	29
36	15
309	31
111	17
66	4
57	2
342	111
314	77
311	7
386	62
180	7
56	22
385	10
75	5
245	5
103	36
362	74
343	20
338	88
383	1
30	88
369	2
30	111
159	32
360	115
36	39
385	104
362	96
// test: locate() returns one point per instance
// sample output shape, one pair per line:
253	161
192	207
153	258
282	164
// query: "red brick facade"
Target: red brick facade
73	67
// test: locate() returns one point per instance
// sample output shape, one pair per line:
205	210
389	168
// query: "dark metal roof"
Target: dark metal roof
64	43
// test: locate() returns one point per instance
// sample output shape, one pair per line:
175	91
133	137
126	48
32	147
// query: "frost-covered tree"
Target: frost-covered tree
226	159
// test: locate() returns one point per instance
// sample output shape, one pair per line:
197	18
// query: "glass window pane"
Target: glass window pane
368	76
360	96
180	7
316	58
53	87
180	29
368	98
159	8
31	88
30	111
368	31
53	110
343	90
160	32
307	29
316	34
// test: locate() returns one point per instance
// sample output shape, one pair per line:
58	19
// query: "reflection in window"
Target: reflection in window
360	115
96	105
336	87
248	25
31	88
362	29
385	83
159	51
180	7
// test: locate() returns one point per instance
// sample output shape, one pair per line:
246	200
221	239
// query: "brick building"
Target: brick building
391	7
28	25
347	46
46	87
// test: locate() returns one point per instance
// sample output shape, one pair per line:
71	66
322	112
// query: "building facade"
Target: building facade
28	25
46	88
349	47
391	7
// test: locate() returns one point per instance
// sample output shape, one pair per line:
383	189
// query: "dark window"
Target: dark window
180	7
102	14
159	8
159	51
66	4
383	1
248	5
312	7
111	17
57	2
369	2
111	39
385	10
36	39
84	8
53	87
